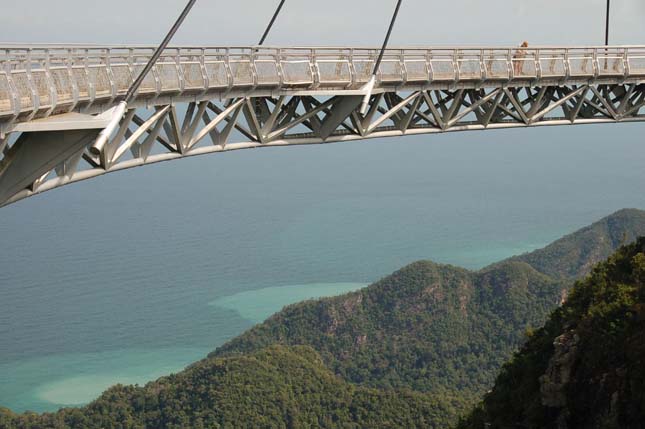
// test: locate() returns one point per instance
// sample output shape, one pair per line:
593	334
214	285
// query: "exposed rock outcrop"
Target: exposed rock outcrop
554	382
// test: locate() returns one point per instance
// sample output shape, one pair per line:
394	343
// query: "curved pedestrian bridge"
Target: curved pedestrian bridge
50	80
197	100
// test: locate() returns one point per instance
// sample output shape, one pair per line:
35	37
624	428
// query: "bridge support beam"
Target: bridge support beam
340	111
40	161
35	155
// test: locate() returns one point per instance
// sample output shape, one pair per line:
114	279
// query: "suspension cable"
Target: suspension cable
607	23
369	87
387	38
275	16
155	56
120	109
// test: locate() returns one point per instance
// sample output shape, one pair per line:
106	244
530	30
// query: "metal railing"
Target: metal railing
44	80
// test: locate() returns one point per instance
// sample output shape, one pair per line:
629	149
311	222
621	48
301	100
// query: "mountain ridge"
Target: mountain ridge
436	330
574	255
471	321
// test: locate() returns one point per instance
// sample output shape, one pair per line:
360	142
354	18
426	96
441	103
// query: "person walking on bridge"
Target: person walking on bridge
518	59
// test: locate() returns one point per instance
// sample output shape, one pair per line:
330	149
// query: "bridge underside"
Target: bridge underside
34	161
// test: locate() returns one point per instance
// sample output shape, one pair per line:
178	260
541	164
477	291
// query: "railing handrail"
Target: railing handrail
12	45
438	64
12	53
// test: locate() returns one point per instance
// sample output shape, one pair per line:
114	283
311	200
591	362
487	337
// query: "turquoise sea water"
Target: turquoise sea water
257	305
131	276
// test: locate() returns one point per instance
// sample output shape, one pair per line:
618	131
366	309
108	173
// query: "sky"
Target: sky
332	22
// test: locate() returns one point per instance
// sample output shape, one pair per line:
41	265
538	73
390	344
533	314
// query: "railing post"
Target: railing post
180	71
131	65
315	71
202	66
378	73
157	77
343	56
72	78
404	70
429	67
35	96
352	68
483	73
110	72
626	66
229	71
53	94
278	59
596	64
253	68
16	102
91	87
455	65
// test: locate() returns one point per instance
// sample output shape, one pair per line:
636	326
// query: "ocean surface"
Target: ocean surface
134	275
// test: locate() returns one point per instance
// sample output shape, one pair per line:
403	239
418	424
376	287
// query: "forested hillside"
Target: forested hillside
441	329
418	348
432	328
585	367
278	387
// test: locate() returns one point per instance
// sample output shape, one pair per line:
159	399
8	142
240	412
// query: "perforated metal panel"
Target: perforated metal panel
168	76
391	71
193	75
23	86
63	85
417	70
267	73
80	75
334	72
297	72
444	68
552	64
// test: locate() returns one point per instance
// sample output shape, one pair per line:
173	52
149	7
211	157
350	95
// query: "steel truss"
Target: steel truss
33	162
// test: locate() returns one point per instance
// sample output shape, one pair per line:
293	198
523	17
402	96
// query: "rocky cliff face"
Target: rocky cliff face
586	367
554	382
